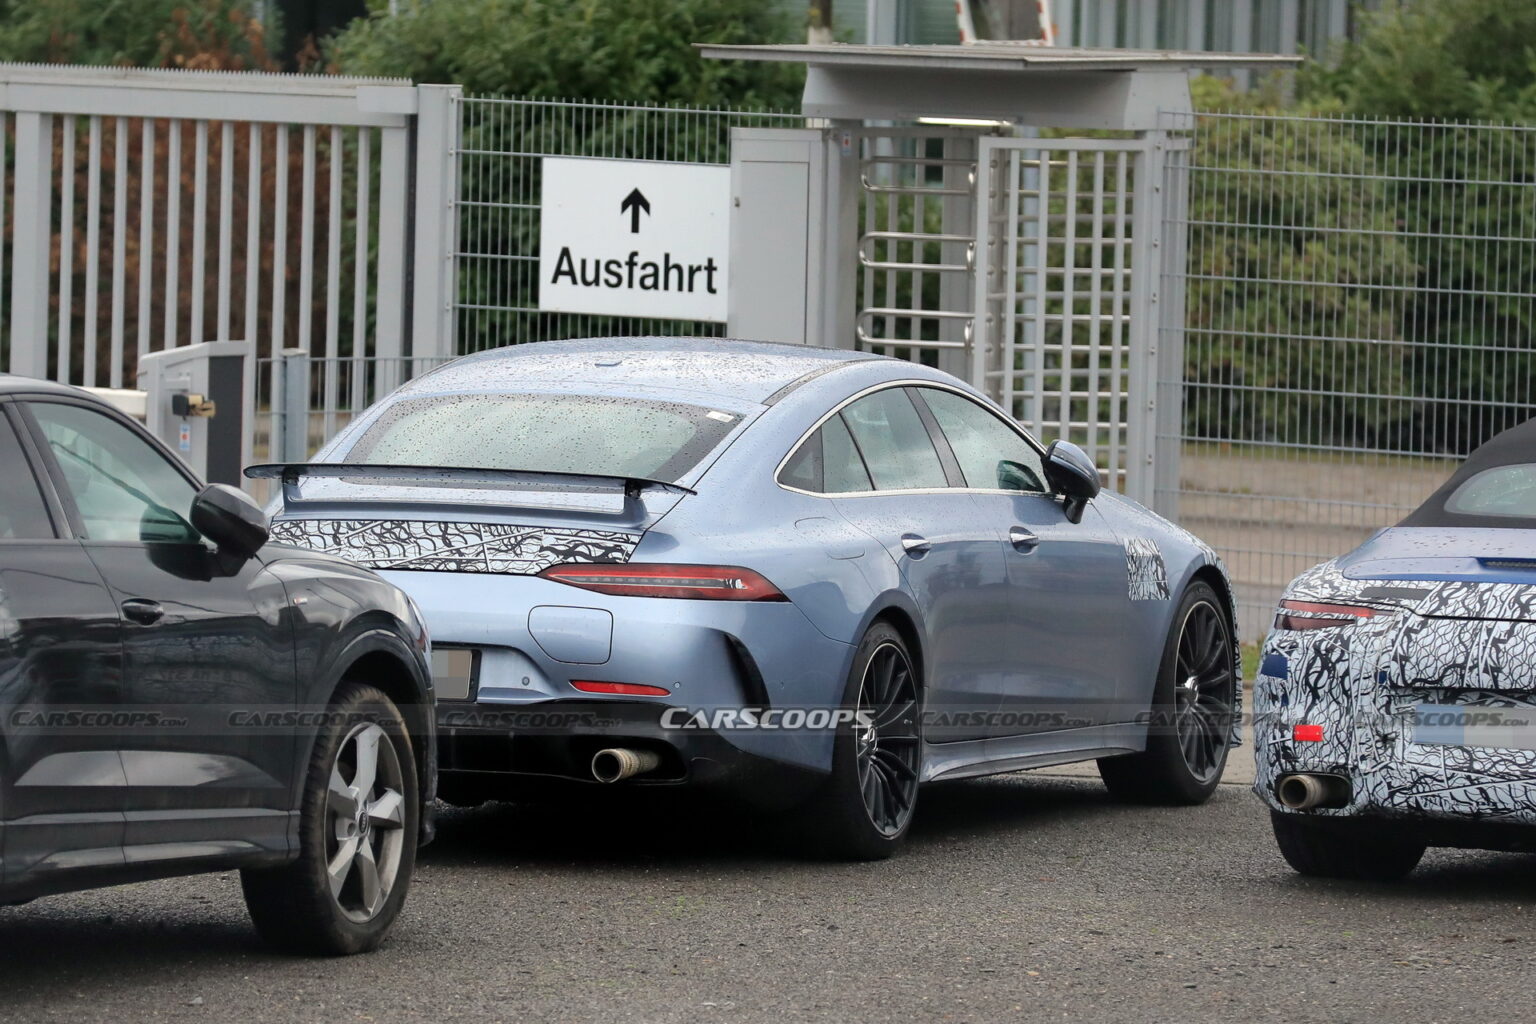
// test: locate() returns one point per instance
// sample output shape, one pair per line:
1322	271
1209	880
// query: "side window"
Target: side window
23	514
991	454
827	463
845	472
803	470
896	447
124	488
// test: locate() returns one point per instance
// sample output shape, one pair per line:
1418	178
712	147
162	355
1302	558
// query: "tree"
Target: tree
133	33
1267	357
1469	65
1442	59
638	51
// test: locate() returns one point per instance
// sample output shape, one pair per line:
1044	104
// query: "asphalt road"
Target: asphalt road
1024	897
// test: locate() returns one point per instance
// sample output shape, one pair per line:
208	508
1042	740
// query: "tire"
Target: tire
295	907
1333	848
1192	707
865	808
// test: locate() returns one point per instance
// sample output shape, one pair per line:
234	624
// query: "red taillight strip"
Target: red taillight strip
657	579
1320	615
1300	622
1329	609
625	689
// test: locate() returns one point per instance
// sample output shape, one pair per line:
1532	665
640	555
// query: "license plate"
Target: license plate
454	671
1461	725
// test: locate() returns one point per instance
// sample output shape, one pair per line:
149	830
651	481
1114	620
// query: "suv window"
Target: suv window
894	442
991	454
23	513
124	489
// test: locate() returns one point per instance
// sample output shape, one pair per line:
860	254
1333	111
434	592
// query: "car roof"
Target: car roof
12	384
751	371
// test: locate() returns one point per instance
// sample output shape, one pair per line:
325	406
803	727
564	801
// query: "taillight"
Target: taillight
1320	616
656	579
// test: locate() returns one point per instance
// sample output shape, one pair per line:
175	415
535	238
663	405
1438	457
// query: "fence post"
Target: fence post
290	406
33	241
1145	318
435	286
1172	271
389	317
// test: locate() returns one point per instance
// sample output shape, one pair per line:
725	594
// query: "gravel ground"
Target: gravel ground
1023	897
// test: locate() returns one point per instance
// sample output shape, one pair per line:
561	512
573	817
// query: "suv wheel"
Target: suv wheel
357	835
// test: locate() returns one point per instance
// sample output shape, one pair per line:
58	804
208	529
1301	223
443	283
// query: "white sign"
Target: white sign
634	238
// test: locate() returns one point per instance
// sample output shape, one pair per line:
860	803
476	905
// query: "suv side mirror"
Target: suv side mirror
1073	475
231	519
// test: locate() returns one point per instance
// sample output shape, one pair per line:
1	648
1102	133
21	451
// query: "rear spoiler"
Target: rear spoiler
435	476
580	489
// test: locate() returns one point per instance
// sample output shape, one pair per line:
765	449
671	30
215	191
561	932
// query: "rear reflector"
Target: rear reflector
1307	733
690	582
624	689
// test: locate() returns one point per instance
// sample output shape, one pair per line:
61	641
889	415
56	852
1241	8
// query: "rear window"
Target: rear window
597	434
1502	491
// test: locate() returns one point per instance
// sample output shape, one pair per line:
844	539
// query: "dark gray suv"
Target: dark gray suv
177	695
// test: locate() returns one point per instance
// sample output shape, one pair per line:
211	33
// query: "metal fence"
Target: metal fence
1358	297
280	209
1361	314
250	207
503	143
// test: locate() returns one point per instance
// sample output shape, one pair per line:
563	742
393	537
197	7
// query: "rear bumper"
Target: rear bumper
536	637
1462	783
500	750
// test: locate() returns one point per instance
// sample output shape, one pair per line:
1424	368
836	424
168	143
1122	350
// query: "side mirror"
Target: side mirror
1073	475
231	519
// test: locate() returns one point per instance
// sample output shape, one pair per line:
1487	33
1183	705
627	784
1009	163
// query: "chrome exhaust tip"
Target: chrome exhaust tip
1308	792
615	764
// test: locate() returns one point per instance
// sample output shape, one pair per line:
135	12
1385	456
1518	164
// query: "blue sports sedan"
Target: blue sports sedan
813	578
1396	698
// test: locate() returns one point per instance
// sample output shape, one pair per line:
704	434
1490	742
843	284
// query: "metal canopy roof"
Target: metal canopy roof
1034	85
995	56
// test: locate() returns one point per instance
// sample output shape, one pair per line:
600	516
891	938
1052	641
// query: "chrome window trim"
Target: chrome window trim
885	385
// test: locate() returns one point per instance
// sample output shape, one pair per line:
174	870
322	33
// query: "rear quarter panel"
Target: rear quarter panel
340	613
1150	539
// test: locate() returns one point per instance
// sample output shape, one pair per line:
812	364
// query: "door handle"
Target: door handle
1022	539
915	545
142	611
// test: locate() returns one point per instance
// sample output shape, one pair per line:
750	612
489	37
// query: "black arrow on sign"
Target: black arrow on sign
634	204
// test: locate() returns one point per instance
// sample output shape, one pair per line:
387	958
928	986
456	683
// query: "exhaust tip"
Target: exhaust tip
1298	792
1306	792
615	764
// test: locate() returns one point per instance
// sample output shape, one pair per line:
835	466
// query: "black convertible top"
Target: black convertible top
1516	446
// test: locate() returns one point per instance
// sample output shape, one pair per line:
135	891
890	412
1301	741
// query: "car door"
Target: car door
208	657
889	480
61	779
1068	591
